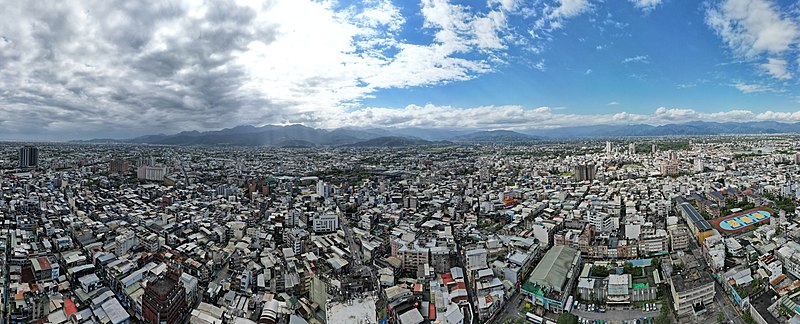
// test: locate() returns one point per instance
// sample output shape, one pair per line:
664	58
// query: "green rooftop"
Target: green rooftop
551	272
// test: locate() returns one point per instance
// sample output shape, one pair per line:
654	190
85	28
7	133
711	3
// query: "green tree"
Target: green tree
657	263
627	267
748	319
720	318
663	317
599	271
567	318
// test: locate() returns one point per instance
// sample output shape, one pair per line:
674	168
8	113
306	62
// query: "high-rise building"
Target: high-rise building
632	149
608	147
28	157
164	299
118	166
584	172
151	173
698	165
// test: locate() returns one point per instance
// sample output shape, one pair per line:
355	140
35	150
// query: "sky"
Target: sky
117	69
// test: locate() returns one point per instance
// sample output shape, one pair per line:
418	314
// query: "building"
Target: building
551	281
28	157
151	173
618	289
164	299
118	166
692	291
476	259
325	222
584	172
679	237
699	227
412	255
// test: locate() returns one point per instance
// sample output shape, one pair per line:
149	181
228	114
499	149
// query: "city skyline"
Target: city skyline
78	70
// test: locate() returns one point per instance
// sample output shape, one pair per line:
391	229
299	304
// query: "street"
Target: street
725	305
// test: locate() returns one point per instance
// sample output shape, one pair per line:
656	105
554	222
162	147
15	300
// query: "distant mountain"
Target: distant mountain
684	129
393	141
303	136
496	136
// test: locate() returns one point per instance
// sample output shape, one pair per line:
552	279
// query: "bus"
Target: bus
533	318
568	308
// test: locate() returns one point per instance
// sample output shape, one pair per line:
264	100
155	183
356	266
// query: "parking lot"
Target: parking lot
613	315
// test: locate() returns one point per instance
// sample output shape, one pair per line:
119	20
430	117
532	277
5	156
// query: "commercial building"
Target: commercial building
151	173
325	222
28	157
551	281
164	299
692	288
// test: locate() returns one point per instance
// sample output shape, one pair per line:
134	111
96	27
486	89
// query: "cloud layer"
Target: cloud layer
753	29
517	117
120	68
77	69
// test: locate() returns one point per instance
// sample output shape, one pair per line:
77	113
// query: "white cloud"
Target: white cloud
552	17
507	5
588	71
777	68
613	103
540	66
646	5
752	27
779	116
637	59
570	8
207	65
753	88
518	117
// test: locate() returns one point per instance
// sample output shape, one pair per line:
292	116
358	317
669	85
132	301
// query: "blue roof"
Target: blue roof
698	220
641	262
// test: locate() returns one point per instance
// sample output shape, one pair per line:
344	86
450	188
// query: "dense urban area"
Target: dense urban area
632	230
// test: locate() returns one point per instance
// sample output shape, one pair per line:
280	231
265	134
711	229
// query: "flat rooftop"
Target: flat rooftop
358	310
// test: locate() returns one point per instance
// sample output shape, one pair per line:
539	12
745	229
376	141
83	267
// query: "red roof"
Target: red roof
44	263
431	312
459	285
69	307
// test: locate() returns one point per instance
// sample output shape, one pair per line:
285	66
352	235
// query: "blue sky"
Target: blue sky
674	59
80	69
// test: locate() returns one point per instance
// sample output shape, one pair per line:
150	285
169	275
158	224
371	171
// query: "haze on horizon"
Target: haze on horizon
85	69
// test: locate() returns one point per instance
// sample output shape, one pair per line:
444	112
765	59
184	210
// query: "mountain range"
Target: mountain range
303	136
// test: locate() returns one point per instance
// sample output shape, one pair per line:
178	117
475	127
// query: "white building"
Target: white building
151	173
325	222
477	259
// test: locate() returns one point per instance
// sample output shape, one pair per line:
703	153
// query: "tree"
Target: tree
720	318
657	263
567	318
627	267
748	319
663	317
599	271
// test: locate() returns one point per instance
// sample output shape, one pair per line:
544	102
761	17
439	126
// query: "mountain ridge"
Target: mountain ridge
304	136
